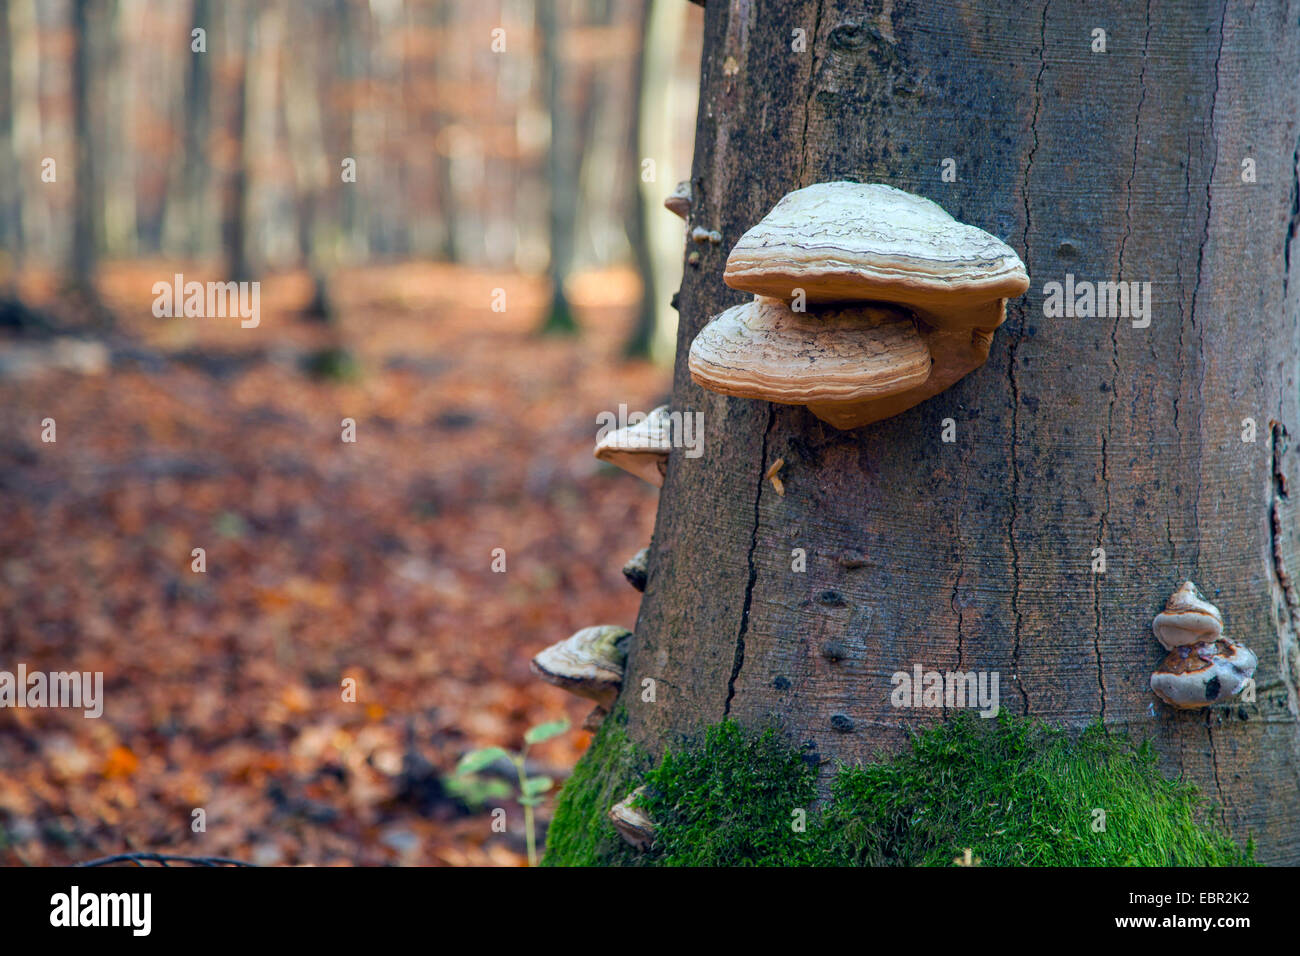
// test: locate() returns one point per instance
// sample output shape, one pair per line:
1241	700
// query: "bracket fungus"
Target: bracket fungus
924	291
1187	619
637	569
678	201
837	361
632	825
589	663
1202	667
641	449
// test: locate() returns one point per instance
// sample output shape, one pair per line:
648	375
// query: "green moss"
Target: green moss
1017	792
1013	791
731	801
580	833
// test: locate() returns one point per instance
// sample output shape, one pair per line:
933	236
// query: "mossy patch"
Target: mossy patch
1012	791
580	833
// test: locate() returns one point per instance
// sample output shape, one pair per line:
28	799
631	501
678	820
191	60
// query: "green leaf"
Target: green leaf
476	760
531	801
536	785
477	791
546	731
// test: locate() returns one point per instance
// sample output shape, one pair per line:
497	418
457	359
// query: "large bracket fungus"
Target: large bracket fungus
1202	667
922	291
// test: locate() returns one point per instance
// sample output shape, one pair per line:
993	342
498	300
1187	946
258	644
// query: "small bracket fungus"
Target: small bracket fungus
632	825
589	664
641	449
873	254
1198	675
679	200
637	569
1203	667
1187	619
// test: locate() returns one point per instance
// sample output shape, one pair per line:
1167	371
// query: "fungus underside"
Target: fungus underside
1012	790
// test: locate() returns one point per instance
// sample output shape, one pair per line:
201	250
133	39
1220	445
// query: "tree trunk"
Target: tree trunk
559	167
638	229
304	128
235	202
1078	434
85	204
194	203
350	65
10	194
31	211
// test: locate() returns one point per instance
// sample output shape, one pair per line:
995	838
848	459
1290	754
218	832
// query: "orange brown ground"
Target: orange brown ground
325	560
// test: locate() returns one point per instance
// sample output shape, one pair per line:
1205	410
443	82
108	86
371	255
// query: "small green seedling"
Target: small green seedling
530	788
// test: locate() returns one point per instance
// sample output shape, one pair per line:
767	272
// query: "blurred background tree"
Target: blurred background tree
540	138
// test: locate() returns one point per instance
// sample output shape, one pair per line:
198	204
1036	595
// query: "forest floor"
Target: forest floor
325	560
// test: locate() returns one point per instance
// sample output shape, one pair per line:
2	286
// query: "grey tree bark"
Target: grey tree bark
10	194
86	206
192	216
638	231
242	21
559	168
1078	434
31	214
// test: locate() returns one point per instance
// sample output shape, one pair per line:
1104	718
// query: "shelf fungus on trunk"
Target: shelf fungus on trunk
835	361
640	449
632	825
637	569
678	202
1203	667
925	291
589	664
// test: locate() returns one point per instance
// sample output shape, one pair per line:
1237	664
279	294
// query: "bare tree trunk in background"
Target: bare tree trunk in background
33	209
443	21
195	200
302	118
117	125
659	250
242	21
600	110
1077	434
83	257
638	233
31	219
560	168
351	66
10	189
14	315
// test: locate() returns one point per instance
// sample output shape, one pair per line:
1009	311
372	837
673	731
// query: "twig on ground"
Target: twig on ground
165	859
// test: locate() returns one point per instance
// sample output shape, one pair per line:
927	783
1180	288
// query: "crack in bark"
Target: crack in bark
1289	623
1103	523
1214	760
1011	374
812	85
1200	408
961	566
1294	222
1096	578
1200	268
738	661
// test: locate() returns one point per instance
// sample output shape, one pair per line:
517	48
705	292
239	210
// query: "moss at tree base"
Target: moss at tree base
1012	791
580	833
